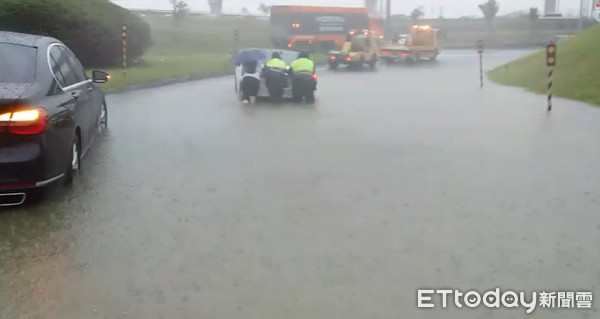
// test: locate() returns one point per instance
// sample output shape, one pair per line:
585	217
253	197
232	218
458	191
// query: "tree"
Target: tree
245	10
96	42
180	10
489	10
416	14
533	16
265	9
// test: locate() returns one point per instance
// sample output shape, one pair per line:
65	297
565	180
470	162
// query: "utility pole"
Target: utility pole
388	14
581	15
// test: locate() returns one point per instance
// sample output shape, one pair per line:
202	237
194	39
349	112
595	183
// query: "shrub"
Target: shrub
91	28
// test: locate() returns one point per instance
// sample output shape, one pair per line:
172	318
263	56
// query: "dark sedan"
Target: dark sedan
50	114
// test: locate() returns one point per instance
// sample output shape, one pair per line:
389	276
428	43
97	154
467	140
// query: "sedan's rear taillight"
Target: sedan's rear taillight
16	186
24	122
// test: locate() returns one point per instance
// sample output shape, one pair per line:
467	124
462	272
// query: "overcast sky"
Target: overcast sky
452	8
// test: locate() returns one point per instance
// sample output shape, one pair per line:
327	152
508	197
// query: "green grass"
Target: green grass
577	72
207	34
197	46
168	66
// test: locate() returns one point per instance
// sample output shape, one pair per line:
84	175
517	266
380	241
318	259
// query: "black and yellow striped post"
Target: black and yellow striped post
124	38
480	51
550	62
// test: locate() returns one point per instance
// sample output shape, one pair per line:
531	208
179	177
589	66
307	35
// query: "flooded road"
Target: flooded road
195	206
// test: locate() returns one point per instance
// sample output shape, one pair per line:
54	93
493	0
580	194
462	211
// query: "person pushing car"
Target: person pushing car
275	76
304	82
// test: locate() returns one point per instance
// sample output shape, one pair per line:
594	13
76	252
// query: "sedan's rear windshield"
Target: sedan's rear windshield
17	63
289	56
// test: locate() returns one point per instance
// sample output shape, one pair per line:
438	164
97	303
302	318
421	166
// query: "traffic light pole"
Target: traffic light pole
550	77
550	63
124	48
236	39
480	51
481	69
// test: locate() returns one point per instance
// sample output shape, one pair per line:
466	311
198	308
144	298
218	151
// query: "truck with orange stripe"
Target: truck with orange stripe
317	28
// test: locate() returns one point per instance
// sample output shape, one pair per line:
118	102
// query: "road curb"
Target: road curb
173	80
165	82
495	46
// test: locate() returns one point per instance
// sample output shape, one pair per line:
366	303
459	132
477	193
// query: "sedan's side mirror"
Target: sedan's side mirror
100	76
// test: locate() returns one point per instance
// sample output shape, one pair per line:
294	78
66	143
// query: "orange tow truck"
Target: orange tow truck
421	43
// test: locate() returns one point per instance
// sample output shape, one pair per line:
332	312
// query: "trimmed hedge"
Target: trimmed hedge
91	28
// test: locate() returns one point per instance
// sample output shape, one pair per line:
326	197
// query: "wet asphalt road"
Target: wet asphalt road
194	206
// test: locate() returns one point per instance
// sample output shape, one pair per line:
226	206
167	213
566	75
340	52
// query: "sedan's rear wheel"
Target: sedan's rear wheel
75	164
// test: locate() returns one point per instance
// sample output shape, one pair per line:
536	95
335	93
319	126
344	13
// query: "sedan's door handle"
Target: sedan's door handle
75	94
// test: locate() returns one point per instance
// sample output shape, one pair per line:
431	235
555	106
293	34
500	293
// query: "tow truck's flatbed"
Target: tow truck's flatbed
391	53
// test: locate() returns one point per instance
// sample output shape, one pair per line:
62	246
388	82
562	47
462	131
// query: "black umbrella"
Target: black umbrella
248	55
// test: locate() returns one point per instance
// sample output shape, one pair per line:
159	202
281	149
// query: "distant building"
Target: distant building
550	7
516	14
216	6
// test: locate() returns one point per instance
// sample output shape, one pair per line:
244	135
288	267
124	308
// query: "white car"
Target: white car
287	56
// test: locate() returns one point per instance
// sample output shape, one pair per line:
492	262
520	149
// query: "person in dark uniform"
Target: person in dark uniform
275	76
304	81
